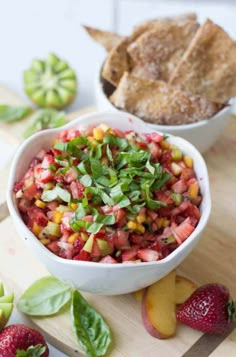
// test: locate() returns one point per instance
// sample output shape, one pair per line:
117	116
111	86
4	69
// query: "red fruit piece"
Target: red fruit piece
183	231
20	337
209	309
108	260
77	189
148	255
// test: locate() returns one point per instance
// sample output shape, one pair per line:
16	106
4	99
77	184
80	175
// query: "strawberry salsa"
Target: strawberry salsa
109	196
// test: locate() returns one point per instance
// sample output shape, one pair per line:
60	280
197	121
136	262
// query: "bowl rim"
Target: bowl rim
73	124
202	123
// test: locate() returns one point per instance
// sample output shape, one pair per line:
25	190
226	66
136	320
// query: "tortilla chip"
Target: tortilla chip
106	38
161	49
150	24
159	103
208	67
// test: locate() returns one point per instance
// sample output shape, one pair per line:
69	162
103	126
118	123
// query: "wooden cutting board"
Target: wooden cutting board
213	260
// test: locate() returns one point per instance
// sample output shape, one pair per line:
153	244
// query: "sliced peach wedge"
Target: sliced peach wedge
184	289
158	307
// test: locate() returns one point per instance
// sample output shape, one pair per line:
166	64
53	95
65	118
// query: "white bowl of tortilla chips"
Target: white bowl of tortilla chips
173	73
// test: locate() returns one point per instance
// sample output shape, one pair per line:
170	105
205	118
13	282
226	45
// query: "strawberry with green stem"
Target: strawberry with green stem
209	309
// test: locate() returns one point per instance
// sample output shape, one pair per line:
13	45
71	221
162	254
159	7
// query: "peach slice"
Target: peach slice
184	289
158	307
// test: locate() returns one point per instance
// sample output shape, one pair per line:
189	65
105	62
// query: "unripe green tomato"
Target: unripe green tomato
51	83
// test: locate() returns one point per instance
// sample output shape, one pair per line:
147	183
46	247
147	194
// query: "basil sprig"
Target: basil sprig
10	114
47	296
91	330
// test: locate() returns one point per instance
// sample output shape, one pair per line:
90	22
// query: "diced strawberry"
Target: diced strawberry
193	211
153	215
121	240
71	175
29	174
65	222
53	246
52	205
141	145
106	209
88	218
136	238
192	181
165	211
155	137
181	208
129	254
24	204
155	151
179	187
77	190
47	161
59	178
40	155
183	231
18	186
119	133
148	255
78	245
163	198
38	216
35	162
187	174
46	176
108	260
83	255
120	215
72	134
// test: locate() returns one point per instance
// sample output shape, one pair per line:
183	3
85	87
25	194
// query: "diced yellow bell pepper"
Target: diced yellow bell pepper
165	222
92	141
84	236
74	206
164	144
45	241
40	204
140	228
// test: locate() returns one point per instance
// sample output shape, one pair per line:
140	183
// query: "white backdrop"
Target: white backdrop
30	28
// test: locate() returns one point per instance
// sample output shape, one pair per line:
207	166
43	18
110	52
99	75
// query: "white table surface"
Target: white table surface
31	29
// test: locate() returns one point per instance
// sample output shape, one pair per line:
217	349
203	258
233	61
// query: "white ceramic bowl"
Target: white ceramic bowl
106	279
202	134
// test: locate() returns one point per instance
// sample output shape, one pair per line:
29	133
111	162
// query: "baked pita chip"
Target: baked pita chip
208	67
159	50
106	38
159	103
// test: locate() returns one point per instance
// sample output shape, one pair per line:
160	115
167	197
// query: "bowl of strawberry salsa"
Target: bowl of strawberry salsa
107	204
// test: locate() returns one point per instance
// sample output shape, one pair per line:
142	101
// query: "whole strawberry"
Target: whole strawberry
209	309
22	341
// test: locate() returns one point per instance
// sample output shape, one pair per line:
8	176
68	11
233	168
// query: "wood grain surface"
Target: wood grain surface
213	260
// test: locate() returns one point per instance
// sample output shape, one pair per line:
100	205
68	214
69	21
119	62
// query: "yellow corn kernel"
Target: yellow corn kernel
98	134
165	222
73	237
193	190
141	218
132	225
84	236
188	161
57	216
36	229
92	141
40	204
140	228
164	144
74	206
45	241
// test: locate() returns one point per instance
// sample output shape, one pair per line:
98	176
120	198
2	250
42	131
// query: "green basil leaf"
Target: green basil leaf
57	192
44	297
116	141
161	181
107	219
82	169
10	114
32	351
109	153
93	227
45	119
96	168
86	180
92	332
